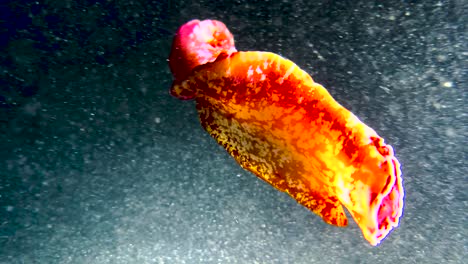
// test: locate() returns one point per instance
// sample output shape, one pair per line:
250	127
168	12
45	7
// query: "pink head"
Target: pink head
196	43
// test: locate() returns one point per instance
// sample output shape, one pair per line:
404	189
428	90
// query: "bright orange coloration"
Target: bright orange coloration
286	129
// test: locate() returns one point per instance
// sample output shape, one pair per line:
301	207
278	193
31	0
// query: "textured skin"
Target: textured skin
286	129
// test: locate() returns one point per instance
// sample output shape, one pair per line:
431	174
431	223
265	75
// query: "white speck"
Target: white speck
441	58
391	17
143	89
447	84
319	56
387	90
157	120
9	208
450	132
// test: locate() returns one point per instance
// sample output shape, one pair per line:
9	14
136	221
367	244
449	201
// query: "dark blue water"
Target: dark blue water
99	164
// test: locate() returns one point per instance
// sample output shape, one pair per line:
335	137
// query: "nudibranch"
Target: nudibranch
277	123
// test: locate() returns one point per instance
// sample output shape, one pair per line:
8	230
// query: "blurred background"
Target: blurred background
99	164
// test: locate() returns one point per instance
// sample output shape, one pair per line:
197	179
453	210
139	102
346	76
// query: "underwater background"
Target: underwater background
99	164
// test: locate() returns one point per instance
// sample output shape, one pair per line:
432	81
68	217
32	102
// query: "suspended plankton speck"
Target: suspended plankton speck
447	84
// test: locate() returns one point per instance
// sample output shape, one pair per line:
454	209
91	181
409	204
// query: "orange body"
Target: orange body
286	129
